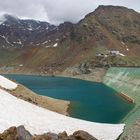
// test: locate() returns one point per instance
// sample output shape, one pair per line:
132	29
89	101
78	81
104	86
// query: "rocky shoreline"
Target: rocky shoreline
96	75
56	105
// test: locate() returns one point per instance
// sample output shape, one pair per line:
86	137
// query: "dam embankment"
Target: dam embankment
126	81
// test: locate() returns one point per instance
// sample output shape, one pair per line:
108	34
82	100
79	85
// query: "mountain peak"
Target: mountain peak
110	7
107	28
8	16
11	19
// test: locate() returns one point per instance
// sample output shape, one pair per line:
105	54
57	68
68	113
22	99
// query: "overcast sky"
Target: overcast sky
57	11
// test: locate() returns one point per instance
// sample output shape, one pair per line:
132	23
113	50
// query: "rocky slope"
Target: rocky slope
15	32
45	48
20	133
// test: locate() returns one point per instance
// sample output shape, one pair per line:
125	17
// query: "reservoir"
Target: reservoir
89	100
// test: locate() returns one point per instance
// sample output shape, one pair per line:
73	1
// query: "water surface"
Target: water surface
89	100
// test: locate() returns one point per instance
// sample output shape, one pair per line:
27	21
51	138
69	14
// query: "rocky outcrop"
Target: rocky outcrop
82	135
20	133
16	133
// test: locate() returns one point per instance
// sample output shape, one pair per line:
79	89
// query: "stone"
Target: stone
9	134
63	135
23	134
47	136
82	135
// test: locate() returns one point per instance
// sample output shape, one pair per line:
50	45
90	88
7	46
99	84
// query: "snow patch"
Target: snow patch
30	29
121	54
123	43
45	42
7	84
37	120
18	42
116	53
21	65
55	45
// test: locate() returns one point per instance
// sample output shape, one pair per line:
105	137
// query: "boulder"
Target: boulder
42	137
63	135
23	134
9	134
13	133
82	135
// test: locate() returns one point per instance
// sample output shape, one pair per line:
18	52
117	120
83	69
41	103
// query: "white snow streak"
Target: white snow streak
55	45
6	39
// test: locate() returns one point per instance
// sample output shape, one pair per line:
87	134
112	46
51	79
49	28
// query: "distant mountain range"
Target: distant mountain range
15	32
41	46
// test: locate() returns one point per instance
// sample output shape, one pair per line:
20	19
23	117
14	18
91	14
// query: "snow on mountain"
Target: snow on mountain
27	31
37	120
2	19
7	84
55	45
6	40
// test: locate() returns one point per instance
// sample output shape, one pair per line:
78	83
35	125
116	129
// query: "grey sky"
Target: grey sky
56	11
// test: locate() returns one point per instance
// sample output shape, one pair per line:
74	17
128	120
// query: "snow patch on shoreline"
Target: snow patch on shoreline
7	84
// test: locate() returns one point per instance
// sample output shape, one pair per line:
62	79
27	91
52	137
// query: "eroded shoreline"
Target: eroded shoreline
56	105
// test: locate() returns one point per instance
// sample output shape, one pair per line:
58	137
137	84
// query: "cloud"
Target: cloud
24	8
68	10
57	11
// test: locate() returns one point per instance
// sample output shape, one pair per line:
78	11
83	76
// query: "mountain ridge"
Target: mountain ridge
41	46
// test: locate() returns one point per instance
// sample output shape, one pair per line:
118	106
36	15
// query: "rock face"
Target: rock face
20	133
10	134
23	134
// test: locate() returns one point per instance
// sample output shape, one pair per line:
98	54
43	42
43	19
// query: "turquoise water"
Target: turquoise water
89	100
